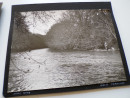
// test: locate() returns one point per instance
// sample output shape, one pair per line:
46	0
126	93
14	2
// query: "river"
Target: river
44	69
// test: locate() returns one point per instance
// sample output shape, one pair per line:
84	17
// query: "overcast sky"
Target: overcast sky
38	26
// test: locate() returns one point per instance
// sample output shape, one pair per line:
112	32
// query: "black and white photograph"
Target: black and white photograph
63	48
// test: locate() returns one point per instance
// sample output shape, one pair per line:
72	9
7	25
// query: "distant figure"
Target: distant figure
105	45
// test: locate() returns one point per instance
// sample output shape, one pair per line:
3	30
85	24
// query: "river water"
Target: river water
45	68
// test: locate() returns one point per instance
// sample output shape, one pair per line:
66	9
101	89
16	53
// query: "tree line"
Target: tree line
75	29
83	30
22	38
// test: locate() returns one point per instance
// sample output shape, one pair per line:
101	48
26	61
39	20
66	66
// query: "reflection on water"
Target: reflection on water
44	69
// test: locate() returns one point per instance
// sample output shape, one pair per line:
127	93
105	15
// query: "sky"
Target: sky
42	25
